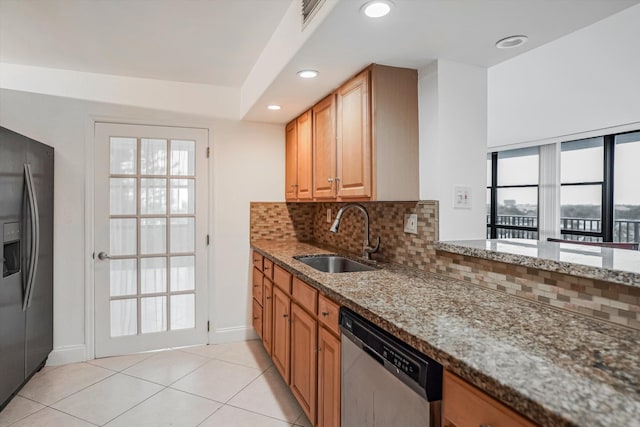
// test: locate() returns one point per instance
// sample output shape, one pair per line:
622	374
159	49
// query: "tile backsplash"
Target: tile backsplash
308	222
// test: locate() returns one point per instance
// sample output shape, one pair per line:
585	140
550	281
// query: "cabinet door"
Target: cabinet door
305	157
303	359
324	148
256	283
328	379
354	138
267	318
281	350
291	162
257	318
464	405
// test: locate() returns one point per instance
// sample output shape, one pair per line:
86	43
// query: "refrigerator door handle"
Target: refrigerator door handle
35	236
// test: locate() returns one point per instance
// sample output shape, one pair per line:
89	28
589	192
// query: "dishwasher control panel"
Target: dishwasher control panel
401	362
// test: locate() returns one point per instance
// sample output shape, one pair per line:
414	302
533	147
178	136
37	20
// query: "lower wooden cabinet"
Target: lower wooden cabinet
257	317
328	379
281	345
267	318
304	339
299	330
466	406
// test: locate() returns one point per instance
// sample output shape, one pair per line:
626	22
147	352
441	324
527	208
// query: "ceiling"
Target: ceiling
219	42
214	42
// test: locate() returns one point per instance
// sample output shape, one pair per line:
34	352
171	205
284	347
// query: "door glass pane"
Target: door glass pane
582	160
626	227
123	156
183	157
518	167
153	275
124	317
518	206
123	276
153	196
122	236
183	196
153	314
489	170
183	311
122	196
581	207
153	235
182	273
153	156
182	235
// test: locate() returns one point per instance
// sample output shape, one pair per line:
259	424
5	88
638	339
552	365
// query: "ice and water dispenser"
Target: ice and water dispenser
10	248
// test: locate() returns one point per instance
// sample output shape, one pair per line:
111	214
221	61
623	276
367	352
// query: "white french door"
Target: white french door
151	216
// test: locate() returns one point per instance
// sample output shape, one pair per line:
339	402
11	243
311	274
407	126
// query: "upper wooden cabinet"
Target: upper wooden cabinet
353	138
291	161
324	148
364	139
298	159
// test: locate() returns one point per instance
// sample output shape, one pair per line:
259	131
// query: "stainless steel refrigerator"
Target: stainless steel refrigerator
26	253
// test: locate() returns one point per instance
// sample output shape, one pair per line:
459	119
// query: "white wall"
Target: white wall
248	164
453	131
586	81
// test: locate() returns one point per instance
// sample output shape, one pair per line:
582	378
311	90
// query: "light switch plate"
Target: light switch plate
411	223
461	197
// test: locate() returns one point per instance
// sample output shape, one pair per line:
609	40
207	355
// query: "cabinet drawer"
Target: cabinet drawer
256	283
257	317
328	312
267	269
282	279
466	406
257	260
305	295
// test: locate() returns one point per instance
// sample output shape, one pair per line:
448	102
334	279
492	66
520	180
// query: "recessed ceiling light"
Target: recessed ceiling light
308	74
511	41
377	8
273	107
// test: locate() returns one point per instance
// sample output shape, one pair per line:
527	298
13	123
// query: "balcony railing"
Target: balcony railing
624	230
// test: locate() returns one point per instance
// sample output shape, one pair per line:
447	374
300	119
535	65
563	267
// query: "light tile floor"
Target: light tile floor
230	385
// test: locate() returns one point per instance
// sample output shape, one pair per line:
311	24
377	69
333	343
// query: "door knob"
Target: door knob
103	255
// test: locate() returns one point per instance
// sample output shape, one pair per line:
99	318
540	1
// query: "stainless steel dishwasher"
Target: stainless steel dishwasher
385	383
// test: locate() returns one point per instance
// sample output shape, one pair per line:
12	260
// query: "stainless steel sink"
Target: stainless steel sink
333	263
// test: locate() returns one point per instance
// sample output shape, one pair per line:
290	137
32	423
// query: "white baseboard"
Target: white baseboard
236	333
68	354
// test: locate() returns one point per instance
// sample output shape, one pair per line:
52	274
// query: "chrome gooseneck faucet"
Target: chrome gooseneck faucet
367	249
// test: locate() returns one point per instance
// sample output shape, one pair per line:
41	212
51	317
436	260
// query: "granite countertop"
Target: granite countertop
556	368
592	262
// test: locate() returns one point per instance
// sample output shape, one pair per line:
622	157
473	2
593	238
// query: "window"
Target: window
512	194
626	197
599	194
581	189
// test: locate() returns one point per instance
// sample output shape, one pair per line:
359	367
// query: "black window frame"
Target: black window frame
492	225
607	219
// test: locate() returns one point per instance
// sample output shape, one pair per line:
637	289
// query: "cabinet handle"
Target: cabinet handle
268	297
484	425
285	315
256	318
266	268
330	180
255	286
325	313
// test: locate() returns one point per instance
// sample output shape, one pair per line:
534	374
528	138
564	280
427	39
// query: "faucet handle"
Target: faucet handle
373	249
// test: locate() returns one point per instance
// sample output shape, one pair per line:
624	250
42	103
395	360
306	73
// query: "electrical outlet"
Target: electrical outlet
411	223
328	215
